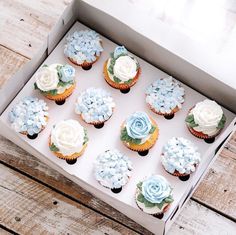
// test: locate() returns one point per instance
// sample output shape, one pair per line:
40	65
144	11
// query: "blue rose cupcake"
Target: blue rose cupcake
139	133
112	170
83	48
154	195
29	117
165	97
56	82
95	106
180	157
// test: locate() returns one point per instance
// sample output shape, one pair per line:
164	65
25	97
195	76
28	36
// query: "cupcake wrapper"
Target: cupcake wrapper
71	157
85	63
119	86
62	96
111	188
146	145
175	110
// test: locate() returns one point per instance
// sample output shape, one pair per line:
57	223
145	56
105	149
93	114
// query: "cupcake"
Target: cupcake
112	170
154	195
95	106
83	48
121	70
165	97
29	116
206	120
56	82
180	157
139	133
68	140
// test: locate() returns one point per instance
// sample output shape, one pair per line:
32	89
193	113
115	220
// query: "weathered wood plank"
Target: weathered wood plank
26	24
196	219
4	232
218	189
10	63
28	207
16	157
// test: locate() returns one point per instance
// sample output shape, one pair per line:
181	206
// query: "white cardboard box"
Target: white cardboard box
100	140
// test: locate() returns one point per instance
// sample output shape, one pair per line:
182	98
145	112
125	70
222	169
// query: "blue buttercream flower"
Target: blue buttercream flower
119	51
67	73
156	188
138	125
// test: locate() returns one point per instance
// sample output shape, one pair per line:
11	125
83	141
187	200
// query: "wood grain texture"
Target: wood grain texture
10	63
218	189
28	207
25	24
14	156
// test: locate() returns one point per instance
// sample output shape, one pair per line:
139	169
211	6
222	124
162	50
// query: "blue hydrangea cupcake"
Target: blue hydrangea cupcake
56	82
112	170
139	133
29	116
83	48
165	97
154	195
95	106
180	157
121	70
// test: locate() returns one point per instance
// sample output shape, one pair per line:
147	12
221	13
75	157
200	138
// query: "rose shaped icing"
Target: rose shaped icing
68	137
122	67
164	95
180	154
153	194
137	128
54	79
29	115
83	46
112	169
206	117
95	105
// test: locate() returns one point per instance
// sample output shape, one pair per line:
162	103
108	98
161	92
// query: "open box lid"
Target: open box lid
148	37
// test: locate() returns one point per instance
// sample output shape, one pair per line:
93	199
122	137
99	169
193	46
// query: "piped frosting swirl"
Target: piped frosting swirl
83	46
181	155
95	105
112	169
164	95
29	115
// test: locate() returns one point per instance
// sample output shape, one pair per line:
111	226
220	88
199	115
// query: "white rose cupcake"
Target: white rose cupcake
206	120
154	195
121	70
180	157
68	140
112	170
56	82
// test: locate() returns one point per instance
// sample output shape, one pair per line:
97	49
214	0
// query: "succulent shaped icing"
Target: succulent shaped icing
180	154
29	115
95	105
137	128
54	79
155	191
206	117
68	137
164	95
83	46
122	67
112	169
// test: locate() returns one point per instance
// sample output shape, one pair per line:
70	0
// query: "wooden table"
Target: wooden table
35	199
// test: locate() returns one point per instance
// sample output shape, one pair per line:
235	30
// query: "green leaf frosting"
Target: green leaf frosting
129	81
221	124
54	148
85	136
125	137
116	79
190	120
152	129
